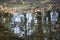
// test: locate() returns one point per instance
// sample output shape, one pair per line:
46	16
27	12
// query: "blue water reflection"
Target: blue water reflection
19	28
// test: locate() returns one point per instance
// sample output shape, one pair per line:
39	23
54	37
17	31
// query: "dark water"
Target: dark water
28	26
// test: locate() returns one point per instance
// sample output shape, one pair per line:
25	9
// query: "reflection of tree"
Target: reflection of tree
40	31
25	27
58	10
49	26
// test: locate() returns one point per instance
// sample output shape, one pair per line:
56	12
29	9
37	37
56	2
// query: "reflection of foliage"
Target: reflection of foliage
5	17
4	30
5	33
